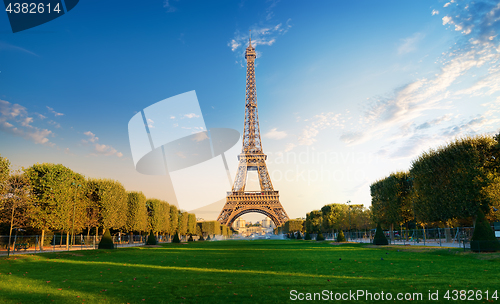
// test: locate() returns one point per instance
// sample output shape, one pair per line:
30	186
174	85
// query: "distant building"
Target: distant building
266	223
239	223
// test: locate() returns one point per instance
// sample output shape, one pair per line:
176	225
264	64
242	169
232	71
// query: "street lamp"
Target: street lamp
74	207
349	234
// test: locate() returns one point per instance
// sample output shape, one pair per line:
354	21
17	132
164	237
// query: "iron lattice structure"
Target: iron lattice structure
239	201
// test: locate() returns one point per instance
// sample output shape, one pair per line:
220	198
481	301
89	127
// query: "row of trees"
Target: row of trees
49	197
444	187
331	218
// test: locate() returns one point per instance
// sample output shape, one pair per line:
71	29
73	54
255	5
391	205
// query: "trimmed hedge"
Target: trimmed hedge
176	238
151	239
307	237
106	241
341	237
380	238
320	237
483	238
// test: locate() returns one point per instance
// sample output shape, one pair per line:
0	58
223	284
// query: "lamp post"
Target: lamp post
74	207
349	234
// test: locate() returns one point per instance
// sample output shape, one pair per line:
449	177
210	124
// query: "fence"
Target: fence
444	237
59	242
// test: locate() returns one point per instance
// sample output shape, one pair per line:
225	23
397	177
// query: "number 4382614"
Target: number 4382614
32	8
471	295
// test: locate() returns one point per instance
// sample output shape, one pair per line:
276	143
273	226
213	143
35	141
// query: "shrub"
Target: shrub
208	237
190	238
151	239
106	241
201	237
380	238
341	237
320	237
307	236
292	236
299	237
176	238
483	238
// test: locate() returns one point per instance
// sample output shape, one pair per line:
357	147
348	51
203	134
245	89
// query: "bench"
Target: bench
21	246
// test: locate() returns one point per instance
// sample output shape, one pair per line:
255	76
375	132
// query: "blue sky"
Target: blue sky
348	91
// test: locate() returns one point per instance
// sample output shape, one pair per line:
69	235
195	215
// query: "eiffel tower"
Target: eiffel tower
238	201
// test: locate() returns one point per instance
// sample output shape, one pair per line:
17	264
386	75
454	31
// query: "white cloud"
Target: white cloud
100	149
14	120
200	136
106	150
92	137
319	122
435	12
191	115
54	112
275	134
150	123
261	35
447	19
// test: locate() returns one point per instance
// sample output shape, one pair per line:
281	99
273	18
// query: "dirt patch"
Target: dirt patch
151	246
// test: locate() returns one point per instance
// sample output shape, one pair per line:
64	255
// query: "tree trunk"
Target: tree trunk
42	240
392	233
131	237
447	232
67	240
11	224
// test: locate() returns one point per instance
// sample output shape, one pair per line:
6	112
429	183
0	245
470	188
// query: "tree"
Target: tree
15	209
137	214
191	223
158	215
57	200
391	199
313	221
110	198
183	222
450	182
174	219
4	175
293	225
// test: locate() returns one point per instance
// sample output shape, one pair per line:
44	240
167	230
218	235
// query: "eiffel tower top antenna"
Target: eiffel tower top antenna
251	134
250	38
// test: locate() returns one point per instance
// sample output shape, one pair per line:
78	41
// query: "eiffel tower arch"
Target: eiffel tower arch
252	158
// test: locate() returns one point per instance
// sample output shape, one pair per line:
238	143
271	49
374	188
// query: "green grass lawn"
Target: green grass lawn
263	271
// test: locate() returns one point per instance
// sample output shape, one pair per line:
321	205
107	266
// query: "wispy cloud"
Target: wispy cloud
191	115
410	44
264	32
318	123
14	120
51	110
99	149
105	150
90	137
167	4
7	46
422	113
275	134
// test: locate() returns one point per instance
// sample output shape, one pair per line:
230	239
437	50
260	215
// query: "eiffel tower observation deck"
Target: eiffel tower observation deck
252	158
